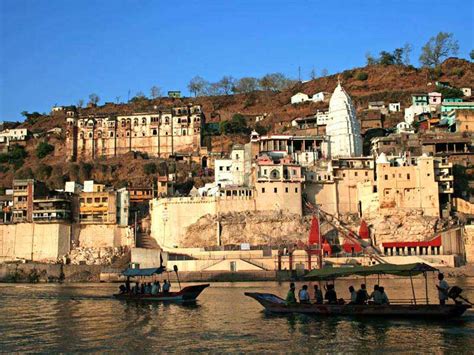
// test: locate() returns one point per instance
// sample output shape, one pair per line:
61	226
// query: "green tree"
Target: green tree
438	48
386	58
471	54
43	149
149	168
261	130
449	93
362	76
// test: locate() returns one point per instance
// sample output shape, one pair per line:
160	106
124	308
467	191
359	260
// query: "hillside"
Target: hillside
387	83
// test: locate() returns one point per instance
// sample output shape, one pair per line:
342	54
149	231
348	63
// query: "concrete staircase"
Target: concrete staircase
144	240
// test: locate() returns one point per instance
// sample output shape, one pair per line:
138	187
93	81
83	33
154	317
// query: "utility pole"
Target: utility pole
135	232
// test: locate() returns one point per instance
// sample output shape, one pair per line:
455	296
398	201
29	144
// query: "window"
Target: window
89	200
228	168
355	174
236	156
366	173
286	189
344	175
155	132
296	190
263	190
275	190
386	177
97	199
221	168
104	199
408	176
111	134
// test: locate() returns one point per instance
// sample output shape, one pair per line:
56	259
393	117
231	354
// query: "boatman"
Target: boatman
290	297
443	288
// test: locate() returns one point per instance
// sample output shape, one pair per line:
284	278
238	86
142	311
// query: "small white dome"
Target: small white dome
382	159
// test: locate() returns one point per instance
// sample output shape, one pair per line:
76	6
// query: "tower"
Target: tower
343	128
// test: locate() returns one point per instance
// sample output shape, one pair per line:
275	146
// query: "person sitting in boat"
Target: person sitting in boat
353	293
136	288
443	288
148	289
318	295
122	289
166	286
331	295
383	296
376	295
362	295
304	294
290	296
155	288
127	285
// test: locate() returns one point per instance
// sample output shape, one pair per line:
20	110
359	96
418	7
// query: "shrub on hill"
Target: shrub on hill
15	156
43	149
362	76
449	93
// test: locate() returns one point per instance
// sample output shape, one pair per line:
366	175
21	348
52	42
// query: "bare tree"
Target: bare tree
155	92
245	85
312	74
197	85
370	59
438	48
471	54
117	99
94	99
226	84
275	82
324	72
80	103
407	48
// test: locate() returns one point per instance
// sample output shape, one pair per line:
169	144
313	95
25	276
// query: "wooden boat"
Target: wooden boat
416	309
275	304
186	294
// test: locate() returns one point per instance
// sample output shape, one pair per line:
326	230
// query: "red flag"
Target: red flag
363	230
314	232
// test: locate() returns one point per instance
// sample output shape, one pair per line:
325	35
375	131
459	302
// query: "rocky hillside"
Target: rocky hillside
388	83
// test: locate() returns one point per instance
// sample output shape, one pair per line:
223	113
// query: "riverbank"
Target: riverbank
38	272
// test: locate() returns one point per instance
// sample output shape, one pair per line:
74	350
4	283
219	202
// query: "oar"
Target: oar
175	268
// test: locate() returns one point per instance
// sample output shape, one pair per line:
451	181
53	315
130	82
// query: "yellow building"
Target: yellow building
465	121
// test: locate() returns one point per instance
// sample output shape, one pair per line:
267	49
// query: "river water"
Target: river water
83	317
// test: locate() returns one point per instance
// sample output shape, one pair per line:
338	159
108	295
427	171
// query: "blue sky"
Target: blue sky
60	51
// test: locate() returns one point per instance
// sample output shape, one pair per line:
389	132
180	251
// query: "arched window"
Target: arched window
143	120
184	132
155	132
90	134
135	122
275	174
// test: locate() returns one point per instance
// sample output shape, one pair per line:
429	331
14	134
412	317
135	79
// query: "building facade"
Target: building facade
160	134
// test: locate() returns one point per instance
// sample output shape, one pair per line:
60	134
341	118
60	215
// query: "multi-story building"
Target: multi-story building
278	185
24	194
333	184
423	183
55	207
161	133
232	170
465	121
98	205
6	205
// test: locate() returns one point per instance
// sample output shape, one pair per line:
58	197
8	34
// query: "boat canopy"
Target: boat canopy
143	272
331	273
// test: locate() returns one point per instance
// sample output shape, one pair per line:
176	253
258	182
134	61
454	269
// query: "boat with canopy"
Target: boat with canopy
186	294
275	304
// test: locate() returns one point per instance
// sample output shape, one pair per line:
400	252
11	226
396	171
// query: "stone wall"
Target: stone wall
469	243
32	241
101	236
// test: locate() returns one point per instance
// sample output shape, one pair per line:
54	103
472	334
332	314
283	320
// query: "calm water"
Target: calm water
83	317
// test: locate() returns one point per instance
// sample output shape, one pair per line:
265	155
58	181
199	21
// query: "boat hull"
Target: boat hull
187	294
275	304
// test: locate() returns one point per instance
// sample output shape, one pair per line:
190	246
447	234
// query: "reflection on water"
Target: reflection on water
83	317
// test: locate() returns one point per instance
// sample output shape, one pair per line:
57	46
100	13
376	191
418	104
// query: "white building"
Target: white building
394	106
302	97
412	111
343	128
466	92
73	187
16	134
231	171
404	127
435	98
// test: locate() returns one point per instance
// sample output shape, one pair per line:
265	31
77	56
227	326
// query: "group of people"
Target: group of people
150	288
378	296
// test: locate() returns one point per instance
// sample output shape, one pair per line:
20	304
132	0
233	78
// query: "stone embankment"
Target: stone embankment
247	227
93	256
